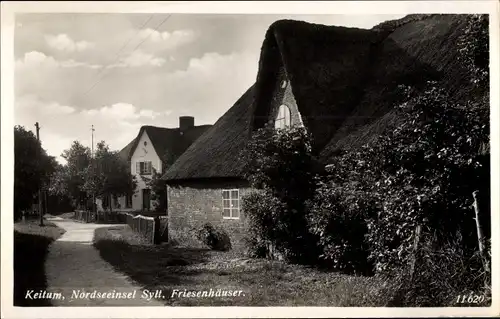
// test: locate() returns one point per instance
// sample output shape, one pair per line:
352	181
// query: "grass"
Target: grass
263	282
31	243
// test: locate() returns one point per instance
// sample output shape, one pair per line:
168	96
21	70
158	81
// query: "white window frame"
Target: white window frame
230	199
138	168
283	116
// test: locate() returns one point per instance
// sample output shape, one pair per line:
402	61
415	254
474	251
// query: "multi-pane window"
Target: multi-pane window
283	118
230	203
144	168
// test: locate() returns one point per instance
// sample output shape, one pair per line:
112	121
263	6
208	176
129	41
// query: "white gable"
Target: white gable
145	152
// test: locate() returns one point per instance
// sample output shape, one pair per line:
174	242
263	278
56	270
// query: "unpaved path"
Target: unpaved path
74	267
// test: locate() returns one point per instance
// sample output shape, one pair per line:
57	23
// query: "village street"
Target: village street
257	160
74	266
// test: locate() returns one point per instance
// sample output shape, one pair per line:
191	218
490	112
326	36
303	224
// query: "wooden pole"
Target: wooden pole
45	201
416	241
480	234
40	186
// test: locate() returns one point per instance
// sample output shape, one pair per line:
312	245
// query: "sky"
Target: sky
121	71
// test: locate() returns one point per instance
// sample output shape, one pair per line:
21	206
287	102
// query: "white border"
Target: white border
302	7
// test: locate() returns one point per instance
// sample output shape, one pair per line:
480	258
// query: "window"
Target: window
283	117
231	203
128	201
143	168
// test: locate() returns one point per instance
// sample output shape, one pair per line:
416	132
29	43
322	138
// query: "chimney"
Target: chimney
186	122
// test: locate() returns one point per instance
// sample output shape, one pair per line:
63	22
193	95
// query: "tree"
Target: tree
70	178
157	185
32	169
107	176
158	191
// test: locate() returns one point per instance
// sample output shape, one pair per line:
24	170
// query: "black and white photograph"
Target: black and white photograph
181	158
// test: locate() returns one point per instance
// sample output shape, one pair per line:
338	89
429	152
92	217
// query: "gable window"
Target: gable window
143	168
230	203
283	119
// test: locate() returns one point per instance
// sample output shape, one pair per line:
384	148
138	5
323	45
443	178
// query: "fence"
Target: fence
147	227
150	228
99	217
85	216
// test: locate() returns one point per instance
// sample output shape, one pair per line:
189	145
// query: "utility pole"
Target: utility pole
93	172
40	186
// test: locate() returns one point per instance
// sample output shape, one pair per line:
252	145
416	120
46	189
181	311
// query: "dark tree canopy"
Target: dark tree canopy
33	168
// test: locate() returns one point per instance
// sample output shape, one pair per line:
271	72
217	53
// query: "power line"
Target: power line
151	33
137	47
118	53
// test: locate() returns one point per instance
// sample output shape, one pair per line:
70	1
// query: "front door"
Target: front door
146	199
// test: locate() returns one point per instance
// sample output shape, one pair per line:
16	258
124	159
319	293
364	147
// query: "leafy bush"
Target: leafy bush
416	172
474	47
265	224
338	217
215	238
281	166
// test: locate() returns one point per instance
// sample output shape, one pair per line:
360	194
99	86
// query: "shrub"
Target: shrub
266	225
215	238
415	173
281	166
474	47
338	217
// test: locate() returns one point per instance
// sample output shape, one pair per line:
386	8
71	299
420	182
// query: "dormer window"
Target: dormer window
283	119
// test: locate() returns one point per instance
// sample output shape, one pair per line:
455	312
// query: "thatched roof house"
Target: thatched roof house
344	81
340	83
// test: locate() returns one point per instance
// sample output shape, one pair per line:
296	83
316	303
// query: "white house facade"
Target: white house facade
144	155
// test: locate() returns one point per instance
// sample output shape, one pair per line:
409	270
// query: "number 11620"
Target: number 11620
470	299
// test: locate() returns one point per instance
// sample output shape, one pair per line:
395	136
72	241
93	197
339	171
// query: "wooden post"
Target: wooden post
45	201
416	241
480	235
40	212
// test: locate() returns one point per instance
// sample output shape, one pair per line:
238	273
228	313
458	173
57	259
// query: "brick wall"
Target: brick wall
192	204
284	95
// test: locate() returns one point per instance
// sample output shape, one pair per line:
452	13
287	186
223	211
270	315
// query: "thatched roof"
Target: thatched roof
344	81
425	48
171	141
216	152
